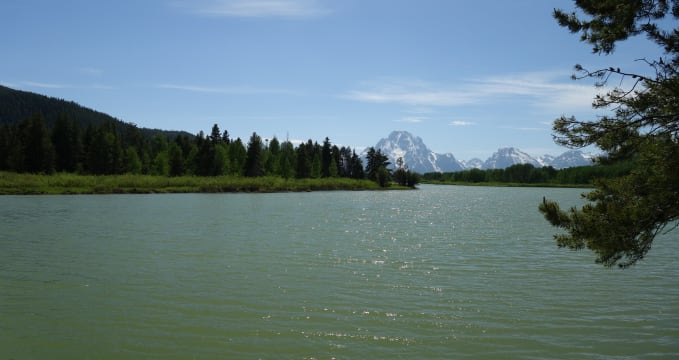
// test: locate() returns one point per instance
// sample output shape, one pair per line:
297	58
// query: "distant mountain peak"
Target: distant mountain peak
415	154
508	156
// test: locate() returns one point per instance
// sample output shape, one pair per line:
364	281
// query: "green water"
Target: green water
438	273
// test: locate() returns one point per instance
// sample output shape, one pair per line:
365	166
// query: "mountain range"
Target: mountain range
419	158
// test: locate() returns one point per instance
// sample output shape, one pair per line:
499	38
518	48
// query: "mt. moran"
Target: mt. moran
419	158
416	155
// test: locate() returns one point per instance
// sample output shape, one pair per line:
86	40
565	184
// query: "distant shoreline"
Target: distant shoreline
509	184
72	184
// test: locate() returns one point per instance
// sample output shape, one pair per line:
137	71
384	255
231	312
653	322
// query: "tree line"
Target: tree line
111	148
529	174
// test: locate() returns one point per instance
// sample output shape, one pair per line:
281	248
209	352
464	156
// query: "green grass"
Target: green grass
65	183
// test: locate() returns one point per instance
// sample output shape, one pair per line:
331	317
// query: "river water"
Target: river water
441	272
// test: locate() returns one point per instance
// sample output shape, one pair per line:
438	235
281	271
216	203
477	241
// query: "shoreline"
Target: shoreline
508	184
74	184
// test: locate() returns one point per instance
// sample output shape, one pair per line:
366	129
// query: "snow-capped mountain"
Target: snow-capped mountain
545	160
571	158
416	155
506	157
474	163
419	158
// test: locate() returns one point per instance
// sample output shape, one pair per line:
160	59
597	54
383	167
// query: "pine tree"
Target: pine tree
273	160
37	147
626	213
132	161
326	157
253	161
377	167
216	135
287	160
237	156
356	167
176	160
67	143
304	155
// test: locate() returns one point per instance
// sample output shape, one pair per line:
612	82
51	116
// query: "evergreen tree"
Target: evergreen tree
216	135
11	149
191	160
356	167
333	171
4	146
316	165
288	160
253	161
333	168
626	213
185	144
237	156
38	153
67	144
161	164
176	160
132	136
159	143
105	152
273	158
145	162
221	160
376	161
326	157
205	158
304	156
401	174
132	161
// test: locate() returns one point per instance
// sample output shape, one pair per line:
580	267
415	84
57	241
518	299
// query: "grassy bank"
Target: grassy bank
63	183
509	184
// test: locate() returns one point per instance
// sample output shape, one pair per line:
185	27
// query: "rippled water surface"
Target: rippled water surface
442	272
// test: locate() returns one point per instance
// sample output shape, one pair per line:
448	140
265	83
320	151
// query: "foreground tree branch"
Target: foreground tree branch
624	215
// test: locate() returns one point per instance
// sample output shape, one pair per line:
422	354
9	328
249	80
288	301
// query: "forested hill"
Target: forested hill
17	105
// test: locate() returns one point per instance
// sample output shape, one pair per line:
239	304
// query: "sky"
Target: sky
468	77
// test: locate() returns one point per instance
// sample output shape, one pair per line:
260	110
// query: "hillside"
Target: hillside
17	105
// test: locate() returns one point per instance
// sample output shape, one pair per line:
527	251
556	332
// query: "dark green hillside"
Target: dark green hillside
17	105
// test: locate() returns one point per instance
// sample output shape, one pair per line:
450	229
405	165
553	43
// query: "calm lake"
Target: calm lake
444	272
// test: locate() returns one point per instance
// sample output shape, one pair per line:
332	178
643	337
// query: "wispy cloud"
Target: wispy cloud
44	85
420	110
542	89
412	119
257	8
410	92
461	123
548	90
243	90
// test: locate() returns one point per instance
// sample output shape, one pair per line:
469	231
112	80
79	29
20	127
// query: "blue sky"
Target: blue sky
467	77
